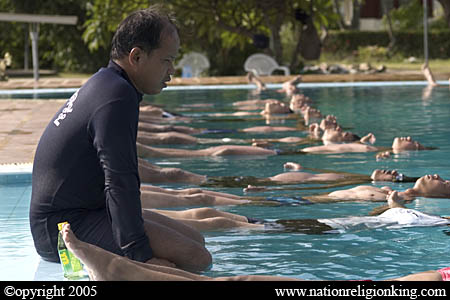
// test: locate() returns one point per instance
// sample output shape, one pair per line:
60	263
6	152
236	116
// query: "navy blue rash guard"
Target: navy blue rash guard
85	170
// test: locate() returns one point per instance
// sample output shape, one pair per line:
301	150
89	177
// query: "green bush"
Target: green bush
408	43
372	53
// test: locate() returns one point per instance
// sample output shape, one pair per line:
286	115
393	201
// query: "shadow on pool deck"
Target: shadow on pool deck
23	121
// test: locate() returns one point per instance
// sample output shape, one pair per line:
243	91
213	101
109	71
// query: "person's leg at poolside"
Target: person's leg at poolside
201	213
151	199
176	242
104	265
205	219
91	226
218	223
169	239
171	222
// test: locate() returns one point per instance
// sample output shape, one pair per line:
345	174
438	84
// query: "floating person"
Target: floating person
155	197
222	150
393	215
430	186
391	175
338	136
284	181
400	144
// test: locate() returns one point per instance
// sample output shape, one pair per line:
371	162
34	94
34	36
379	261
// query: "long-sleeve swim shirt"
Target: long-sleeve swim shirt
86	159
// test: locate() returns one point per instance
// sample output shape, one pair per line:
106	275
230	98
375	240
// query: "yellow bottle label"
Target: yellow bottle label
64	257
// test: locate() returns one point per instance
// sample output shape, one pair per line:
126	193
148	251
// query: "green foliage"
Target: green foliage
372	53
60	46
407	17
223	30
408	43
103	17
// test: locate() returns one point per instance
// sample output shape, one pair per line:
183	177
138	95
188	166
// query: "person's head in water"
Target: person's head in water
145	45
406	144
431	186
337	135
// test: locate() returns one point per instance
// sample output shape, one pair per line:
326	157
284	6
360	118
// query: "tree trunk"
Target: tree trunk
274	23
446	6
356	13
277	46
340	18
310	44
294	59
386	10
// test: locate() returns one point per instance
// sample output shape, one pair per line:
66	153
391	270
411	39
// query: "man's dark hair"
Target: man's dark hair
141	29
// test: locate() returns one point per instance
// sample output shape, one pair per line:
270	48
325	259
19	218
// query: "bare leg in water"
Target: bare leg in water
104	265
260	85
428	75
175	242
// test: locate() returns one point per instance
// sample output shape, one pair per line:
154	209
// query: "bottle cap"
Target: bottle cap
60	225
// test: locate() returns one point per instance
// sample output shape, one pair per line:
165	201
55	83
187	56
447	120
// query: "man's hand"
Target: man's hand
160	262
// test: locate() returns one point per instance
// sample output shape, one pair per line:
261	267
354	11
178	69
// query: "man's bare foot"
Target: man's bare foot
71	241
78	248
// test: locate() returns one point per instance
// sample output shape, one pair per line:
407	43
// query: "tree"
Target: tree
60	46
387	6
232	23
238	22
446	6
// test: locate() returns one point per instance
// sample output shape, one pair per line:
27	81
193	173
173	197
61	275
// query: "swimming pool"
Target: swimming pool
387	110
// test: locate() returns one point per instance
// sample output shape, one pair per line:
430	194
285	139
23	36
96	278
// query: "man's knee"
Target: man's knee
204	212
200	258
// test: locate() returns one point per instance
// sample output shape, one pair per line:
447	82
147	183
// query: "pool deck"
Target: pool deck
23	121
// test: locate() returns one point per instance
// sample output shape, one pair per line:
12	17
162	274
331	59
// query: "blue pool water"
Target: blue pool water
387	110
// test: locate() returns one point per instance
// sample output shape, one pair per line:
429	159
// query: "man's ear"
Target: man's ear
135	55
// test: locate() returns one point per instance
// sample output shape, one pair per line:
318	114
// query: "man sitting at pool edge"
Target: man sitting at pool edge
86	169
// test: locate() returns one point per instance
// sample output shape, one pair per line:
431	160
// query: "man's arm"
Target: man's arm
113	130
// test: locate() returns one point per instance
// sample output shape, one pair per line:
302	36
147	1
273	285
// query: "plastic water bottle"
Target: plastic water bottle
72	267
